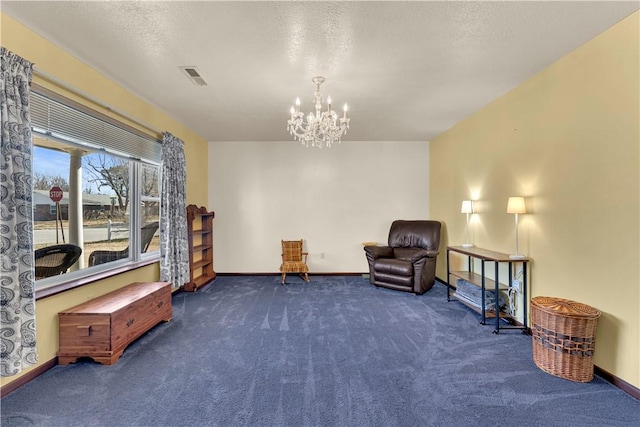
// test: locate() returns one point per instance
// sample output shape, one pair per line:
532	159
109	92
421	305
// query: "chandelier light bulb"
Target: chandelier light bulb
320	129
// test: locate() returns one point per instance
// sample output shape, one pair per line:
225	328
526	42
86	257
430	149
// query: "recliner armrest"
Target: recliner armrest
379	251
424	254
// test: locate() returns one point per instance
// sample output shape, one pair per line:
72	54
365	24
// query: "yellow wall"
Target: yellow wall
568	139
57	63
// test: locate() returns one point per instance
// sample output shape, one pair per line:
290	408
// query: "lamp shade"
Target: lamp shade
467	206
515	205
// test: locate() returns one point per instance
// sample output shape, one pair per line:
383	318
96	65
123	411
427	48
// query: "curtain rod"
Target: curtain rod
94	100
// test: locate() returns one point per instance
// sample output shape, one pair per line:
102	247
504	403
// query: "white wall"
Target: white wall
334	199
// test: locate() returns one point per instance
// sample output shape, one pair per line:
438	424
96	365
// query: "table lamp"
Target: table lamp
515	205
467	208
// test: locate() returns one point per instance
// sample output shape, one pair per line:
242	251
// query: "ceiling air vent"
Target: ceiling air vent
194	75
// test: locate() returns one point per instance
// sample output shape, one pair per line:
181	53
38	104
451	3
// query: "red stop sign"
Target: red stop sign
55	194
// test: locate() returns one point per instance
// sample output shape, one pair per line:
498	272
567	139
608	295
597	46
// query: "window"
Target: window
110	178
149	193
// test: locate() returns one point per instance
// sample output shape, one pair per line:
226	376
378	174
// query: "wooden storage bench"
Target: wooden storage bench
103	327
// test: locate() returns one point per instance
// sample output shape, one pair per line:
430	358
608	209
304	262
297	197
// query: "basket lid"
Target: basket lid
564	307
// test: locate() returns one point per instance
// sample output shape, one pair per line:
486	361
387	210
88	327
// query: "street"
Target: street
90	235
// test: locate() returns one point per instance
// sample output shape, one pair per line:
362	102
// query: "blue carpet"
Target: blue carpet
247	351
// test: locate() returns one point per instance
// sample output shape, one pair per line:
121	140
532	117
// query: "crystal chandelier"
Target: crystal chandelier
322	129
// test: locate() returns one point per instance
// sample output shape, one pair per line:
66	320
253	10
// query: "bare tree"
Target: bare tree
111	172
45	182
149	181
149	189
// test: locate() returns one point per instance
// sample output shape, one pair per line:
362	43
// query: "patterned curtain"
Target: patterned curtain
174	244
17	286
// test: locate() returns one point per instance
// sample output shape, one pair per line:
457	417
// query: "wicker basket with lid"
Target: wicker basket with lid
564	337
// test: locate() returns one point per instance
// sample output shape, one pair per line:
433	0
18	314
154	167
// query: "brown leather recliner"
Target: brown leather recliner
409	262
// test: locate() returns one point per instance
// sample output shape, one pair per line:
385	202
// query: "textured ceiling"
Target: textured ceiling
408	70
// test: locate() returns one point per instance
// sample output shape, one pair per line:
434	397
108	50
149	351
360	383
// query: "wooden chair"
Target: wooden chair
294	260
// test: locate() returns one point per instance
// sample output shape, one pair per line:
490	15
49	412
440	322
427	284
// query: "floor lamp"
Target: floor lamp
467	208
515	205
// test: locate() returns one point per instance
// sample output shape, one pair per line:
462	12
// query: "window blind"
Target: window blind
54	119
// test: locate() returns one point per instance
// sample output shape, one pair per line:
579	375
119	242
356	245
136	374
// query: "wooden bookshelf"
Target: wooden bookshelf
200	229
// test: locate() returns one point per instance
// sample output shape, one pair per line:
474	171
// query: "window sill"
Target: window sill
73	283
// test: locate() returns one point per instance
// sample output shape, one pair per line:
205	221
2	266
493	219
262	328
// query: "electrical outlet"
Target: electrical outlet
515	284
321	255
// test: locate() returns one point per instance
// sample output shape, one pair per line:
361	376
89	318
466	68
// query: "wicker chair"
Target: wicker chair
294	260
54	260
101	256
